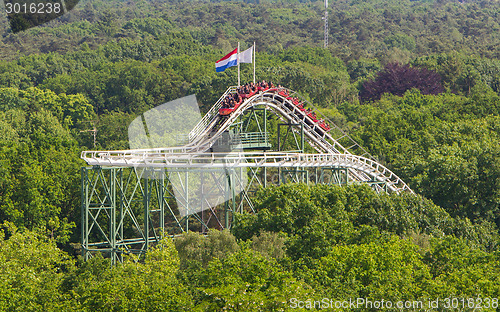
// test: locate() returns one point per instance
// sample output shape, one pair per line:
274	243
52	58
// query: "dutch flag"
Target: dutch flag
231	59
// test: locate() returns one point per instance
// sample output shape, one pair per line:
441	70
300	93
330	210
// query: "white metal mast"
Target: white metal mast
325	18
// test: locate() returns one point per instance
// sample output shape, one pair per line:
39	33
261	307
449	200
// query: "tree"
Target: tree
461	270
150	285
32	270
248	281
397	79
392	270
39	188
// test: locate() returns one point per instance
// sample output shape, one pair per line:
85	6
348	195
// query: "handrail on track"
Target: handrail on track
331	123
210	115
213	113
245	159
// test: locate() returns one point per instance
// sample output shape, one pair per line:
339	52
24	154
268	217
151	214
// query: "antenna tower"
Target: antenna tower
93	130
325	18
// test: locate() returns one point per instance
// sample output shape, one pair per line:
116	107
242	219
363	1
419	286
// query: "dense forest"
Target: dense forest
107	61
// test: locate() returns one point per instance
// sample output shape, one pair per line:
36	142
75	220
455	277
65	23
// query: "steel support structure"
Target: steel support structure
125	209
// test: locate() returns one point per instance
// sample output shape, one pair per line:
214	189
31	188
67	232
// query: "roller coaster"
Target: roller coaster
131	198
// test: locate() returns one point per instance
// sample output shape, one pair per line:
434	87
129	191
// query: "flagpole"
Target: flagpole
238	58
254	62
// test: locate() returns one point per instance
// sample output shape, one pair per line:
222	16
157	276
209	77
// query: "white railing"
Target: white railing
209	116
156	159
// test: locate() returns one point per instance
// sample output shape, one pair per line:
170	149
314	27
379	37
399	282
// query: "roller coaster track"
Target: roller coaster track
331	153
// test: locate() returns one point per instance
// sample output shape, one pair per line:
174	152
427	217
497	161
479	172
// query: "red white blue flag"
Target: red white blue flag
231	59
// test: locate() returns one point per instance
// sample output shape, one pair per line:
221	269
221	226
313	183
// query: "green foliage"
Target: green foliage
384	29
196	251
37	275
270	244
148	286
32	270
107	62
426	139
39	187
316	56
317	218
112	131
461	73
197	248
154	27
70	110
362	68
392	270
400	41
459	269
249	281
423	261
